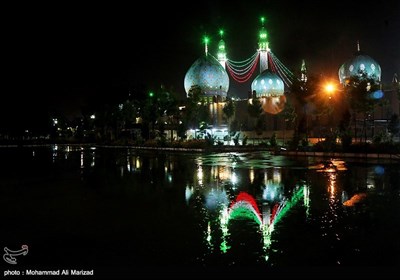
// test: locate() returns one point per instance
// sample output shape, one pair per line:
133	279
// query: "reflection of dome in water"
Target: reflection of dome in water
359	65
274	105
216	198
267	84
209	74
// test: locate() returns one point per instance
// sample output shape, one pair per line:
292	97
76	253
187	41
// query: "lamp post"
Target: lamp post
330	89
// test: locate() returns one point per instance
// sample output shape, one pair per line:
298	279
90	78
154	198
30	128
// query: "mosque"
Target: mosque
272	89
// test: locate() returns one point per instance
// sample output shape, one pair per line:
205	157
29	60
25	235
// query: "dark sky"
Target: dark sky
61	56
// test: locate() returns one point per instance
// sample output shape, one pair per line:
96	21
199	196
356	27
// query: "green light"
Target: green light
243	213
151	94
221	32
206	40
262	20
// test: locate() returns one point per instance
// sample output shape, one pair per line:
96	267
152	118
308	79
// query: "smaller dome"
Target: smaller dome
268	84
359	65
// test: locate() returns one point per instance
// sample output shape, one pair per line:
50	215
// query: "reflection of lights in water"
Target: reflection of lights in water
355	199
277	175
33	153
55	154
223	173
234	178
330	166
332	185
344	196
82	159
168	167
188	193
216	198
169	177
379	170
128	164
370	183
93	159
251	175
200	174
339	164
209	233
272	191
67	150
329	219
138	164
307	199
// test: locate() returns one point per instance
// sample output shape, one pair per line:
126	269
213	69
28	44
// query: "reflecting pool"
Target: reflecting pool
124	211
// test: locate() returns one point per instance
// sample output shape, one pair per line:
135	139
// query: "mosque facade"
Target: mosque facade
272	88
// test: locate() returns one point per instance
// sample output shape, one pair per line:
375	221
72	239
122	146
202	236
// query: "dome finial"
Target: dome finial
206	40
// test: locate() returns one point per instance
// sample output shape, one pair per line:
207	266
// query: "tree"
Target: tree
394	126
359	92
229	110
290	117
255	111
195	108
304	93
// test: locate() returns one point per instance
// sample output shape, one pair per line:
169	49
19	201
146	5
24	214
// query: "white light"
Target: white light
92	117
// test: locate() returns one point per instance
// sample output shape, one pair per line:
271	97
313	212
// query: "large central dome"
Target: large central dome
209	74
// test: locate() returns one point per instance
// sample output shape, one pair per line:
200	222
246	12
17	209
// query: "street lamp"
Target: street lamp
330	89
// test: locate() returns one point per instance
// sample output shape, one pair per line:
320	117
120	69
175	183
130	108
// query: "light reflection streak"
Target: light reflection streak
200	175
251	175
82	166
92	164
188	193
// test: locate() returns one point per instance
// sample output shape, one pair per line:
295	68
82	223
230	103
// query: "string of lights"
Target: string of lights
242	77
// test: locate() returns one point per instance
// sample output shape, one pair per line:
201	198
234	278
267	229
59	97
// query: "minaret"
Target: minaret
263	47
395	80
303	71
221	50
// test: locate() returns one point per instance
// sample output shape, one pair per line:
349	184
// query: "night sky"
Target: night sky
62	57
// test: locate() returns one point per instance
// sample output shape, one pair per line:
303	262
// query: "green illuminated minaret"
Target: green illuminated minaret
263	47
221	50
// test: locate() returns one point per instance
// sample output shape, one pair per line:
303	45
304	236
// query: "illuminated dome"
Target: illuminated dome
267	84
359	65
209	74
